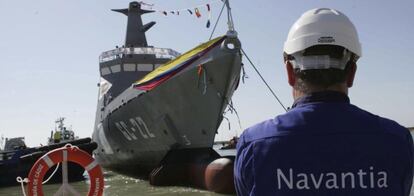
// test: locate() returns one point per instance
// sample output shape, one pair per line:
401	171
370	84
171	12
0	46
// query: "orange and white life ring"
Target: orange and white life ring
66	153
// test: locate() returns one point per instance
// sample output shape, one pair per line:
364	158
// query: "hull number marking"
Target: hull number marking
137	126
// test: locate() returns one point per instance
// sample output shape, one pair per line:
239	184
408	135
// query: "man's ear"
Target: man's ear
351	76
290	73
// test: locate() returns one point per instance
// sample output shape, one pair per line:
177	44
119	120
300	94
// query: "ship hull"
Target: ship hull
137	129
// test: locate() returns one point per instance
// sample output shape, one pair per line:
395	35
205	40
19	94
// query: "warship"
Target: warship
157	109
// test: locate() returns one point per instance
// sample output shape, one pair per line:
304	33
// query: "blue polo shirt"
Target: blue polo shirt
325	146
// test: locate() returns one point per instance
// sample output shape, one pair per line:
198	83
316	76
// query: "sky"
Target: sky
49	53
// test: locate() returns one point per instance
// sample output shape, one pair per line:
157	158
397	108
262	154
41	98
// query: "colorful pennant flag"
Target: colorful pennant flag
200	70
197	12
209	16
146	4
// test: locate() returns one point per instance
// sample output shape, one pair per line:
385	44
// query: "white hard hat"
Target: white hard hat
322	26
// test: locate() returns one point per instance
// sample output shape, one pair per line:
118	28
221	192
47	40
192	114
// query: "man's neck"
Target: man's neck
342	88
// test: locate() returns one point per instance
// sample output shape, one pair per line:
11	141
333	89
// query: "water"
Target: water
117	185
120	185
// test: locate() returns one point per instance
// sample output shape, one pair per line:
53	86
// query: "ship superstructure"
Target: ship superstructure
123	65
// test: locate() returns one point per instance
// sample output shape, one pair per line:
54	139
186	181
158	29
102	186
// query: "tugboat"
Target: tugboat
159	111
16	159
61	133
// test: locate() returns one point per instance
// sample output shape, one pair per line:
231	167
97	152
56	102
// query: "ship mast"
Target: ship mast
59	122
135	35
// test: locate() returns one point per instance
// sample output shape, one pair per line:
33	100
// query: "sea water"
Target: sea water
116	185
120	185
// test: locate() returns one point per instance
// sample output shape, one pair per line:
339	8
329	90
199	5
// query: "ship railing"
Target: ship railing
120	52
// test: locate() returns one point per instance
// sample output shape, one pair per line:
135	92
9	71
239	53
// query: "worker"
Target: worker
324	145
56	137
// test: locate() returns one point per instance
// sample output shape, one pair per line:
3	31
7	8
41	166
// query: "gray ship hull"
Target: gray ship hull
137	129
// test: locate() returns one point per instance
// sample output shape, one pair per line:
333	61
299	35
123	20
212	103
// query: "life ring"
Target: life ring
66	153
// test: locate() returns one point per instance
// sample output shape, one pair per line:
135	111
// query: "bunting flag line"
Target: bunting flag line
196	10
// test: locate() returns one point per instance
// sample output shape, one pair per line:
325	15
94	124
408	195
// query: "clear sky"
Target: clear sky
49	57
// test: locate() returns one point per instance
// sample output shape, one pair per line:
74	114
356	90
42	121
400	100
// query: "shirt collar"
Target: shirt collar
323	96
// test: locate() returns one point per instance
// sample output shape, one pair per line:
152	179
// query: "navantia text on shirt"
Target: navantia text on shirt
368	178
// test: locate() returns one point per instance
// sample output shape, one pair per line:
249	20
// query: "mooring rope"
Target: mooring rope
264	81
